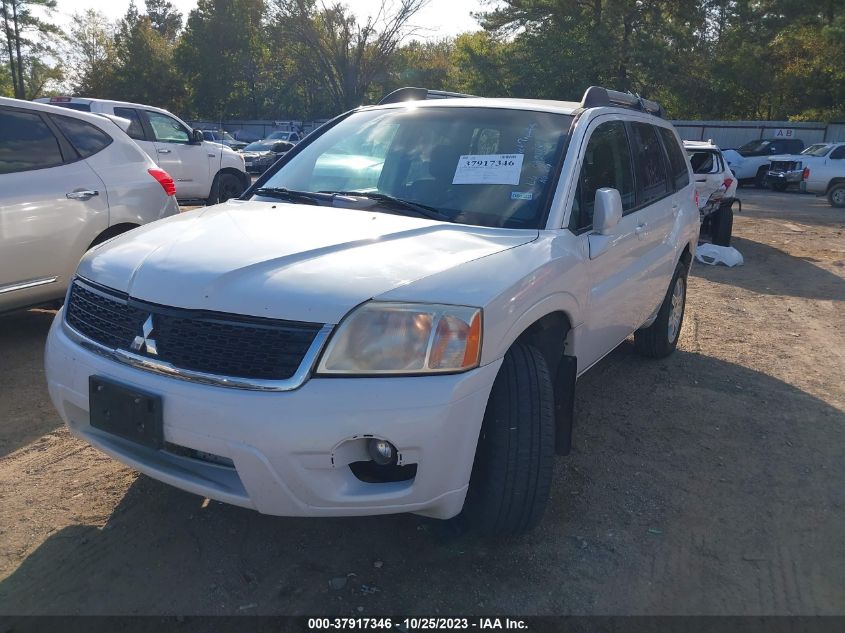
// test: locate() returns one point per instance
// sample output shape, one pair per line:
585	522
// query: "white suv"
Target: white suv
68	180
393	318
203	170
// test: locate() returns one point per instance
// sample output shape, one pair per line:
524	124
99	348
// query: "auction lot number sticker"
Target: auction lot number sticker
488	169
417	624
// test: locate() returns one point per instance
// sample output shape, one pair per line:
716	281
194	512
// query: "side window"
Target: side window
86	139
26	143
167	129
652	183
838	153
607	163
136	129
704	162
677	164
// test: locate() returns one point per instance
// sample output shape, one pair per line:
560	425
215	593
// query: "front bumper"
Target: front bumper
789	177
291	450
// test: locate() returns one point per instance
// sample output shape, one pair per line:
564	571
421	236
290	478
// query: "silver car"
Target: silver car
68	181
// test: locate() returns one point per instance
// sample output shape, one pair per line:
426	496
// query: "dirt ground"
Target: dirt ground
712	482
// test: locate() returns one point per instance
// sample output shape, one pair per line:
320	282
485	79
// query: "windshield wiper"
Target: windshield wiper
397	203
293	195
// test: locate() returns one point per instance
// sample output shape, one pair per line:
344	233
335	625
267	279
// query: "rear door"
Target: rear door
187	163
52	206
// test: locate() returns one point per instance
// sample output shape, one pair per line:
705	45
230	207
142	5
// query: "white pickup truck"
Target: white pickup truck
202	170
750	162
819	169
393	317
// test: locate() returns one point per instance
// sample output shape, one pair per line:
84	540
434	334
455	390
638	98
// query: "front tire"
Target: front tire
661	338
836	195
224	187
760	178
512	472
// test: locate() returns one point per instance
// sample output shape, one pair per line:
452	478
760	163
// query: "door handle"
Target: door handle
84	194
163	151
640	228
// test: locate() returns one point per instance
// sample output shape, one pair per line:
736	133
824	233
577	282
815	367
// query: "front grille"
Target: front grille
783	165
208	342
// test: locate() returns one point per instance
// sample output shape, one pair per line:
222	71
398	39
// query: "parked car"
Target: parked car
258	156
246	136
68	181
202	170
224	138
750	163
407	345
819	169
290	137
716	188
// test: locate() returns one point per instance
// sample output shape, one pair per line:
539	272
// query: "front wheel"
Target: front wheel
661	337
224	187
836	195
512	472
760	178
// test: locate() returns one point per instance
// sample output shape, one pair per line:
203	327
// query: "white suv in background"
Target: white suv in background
394	320
203	170
716	187
68	180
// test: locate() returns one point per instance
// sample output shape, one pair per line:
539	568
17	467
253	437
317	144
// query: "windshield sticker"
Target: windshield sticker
521	195
488	169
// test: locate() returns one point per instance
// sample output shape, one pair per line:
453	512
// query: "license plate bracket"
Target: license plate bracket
125	411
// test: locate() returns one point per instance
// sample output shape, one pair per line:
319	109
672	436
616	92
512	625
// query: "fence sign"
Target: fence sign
784	133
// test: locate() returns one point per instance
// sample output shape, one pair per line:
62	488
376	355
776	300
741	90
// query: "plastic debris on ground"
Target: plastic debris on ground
712	255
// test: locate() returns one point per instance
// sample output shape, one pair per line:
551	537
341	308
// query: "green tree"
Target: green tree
91	53
164	18
27	45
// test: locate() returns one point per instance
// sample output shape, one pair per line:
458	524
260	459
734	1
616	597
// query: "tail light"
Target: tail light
164	180
696	198
805	175
727	184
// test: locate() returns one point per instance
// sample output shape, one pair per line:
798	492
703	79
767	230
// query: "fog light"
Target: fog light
382	452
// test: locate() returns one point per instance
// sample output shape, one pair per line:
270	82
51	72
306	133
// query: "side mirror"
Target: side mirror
607	211
196	137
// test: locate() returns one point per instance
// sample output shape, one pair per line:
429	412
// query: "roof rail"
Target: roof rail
596	97
419	94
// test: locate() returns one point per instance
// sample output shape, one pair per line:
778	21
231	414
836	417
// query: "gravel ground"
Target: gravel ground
711	482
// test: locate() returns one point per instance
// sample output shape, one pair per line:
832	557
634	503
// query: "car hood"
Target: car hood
285	261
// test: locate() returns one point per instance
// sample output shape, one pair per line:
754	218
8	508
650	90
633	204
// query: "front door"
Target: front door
187	163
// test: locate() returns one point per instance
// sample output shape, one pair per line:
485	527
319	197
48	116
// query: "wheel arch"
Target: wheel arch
240	175
112	231
833	182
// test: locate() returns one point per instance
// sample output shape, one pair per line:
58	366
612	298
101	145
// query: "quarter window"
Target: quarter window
677	164
26	143
652	183
167	129
607	163
86	139
136	129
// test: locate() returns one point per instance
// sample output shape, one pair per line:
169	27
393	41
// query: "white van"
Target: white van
202	170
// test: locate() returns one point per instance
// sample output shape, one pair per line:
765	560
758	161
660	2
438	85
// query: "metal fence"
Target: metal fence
725	134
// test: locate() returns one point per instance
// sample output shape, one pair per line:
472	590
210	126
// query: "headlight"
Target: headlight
405	338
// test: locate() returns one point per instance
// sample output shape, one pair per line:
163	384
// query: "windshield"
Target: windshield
256	146
484	166
819	149
282	136
227	137
754	147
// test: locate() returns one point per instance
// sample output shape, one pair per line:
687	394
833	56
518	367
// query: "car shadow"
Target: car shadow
683	469
769	270
25	413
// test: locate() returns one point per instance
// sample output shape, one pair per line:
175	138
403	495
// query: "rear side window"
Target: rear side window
652	183
26	143
136	129
677	164
704	162
838	153
86	139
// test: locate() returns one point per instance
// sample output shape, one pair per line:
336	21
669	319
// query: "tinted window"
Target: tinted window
26	143
82	107
86	139
136	129
839	152
648	158
677	164
167	129
703	162
607	163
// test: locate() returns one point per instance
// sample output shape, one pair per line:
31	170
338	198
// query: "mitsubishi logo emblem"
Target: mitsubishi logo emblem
144	342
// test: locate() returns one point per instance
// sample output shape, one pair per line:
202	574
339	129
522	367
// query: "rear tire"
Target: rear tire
760	178
661	338
224	187
721	226
836	195
512	472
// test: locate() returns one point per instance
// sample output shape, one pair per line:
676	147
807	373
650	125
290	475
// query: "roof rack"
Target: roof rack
419	94
597	97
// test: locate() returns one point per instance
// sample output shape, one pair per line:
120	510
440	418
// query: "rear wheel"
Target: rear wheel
661	337
836	195
512	472
224	187
721	226
760	178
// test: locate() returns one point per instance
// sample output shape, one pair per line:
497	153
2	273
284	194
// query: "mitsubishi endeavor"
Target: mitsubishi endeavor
393	317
